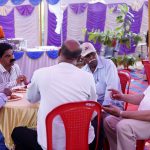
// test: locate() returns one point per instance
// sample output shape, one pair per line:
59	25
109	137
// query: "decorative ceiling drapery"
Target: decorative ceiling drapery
92	16
32	2
19	2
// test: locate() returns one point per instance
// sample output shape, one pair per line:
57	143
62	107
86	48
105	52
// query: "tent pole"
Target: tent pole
40	20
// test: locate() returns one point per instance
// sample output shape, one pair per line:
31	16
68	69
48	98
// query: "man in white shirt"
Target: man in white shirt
10	74
125	127
56	85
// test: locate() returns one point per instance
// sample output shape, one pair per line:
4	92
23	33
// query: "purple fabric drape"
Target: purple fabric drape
96	17
25	10
7	22
146	3
78	8
53	37
135	28
64	25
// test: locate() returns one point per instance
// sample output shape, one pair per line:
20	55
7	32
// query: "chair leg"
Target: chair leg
140	144
106	144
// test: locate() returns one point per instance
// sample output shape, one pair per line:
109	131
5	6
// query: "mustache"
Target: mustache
12	60
93	60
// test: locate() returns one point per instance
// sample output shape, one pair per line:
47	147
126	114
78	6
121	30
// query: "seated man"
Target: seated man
3	99
104	72
10	74
125	127
105	75
54	86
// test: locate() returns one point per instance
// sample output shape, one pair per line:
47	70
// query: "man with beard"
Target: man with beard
106	77
10	74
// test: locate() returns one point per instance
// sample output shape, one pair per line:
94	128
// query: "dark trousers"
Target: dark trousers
25	139
2	142
101	135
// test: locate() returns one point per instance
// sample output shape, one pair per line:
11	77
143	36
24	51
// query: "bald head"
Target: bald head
72	45
70	49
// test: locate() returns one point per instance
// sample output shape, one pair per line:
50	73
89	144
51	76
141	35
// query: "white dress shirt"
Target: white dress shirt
8	79
145	103
54	86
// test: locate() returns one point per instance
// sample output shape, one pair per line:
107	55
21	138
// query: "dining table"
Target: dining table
17	112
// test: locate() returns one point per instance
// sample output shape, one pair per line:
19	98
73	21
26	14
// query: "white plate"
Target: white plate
15	99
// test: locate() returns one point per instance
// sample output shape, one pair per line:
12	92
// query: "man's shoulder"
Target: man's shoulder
44	69
106	62
103	59
85	73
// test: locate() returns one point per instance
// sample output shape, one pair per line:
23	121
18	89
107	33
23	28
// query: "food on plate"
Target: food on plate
19	90
13	97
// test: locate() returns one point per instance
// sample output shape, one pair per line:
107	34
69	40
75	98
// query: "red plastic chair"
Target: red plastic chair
125	80
145	61
76	117
140	144
147	71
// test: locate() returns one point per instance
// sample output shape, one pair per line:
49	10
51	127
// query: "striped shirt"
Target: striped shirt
3	99
8	79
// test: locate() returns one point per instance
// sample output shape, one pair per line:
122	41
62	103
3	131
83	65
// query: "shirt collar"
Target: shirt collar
100	63
2	69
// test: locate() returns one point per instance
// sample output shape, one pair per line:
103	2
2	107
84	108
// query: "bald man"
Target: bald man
54	86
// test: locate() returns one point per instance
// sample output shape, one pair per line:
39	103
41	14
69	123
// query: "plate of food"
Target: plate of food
14	97
19	89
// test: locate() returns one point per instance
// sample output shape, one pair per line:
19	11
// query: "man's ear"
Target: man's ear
59	52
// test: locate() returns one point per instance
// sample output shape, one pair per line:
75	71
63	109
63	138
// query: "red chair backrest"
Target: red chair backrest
125	80
76	117
145	62
147	71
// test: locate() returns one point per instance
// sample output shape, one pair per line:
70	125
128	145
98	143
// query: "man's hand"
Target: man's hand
21	79
7	92
116	94
113	110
